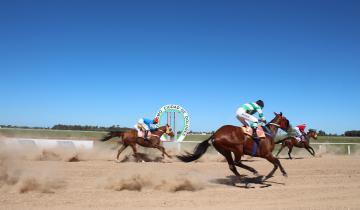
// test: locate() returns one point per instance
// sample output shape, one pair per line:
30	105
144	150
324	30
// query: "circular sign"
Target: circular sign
178	119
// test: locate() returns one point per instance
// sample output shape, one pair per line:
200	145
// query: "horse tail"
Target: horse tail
112	134
199	150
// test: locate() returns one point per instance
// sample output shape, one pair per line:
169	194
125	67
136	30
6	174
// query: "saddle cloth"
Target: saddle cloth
141	131
259	131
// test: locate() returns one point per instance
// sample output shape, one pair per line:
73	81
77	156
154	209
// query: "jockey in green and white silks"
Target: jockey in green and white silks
245	114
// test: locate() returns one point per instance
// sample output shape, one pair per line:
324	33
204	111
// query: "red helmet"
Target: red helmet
156	120
301	127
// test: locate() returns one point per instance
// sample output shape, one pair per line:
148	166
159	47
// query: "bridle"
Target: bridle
277	125
161	129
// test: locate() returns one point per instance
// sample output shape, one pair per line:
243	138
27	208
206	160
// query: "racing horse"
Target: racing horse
291	142
130	138
232	139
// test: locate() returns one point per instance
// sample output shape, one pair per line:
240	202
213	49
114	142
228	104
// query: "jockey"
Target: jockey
300	132
147	125
245	112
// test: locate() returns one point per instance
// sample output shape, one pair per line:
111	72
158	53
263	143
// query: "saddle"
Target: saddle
249	131
141	131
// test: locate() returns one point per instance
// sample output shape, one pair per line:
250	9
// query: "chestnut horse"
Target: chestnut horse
291	142
231	139
130	138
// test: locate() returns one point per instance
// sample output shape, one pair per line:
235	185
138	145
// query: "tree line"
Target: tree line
72	127
352	133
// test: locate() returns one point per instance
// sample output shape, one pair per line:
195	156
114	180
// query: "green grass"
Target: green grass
50	134
336	139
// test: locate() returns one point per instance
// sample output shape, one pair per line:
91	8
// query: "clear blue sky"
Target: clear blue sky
112	62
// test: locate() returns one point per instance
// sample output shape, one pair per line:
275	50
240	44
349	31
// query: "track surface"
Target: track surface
327	182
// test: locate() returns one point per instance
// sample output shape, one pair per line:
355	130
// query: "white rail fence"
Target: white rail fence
187	145
322	146
48	143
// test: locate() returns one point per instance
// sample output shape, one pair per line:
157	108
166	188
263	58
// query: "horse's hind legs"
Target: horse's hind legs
122	148
241	165
229	159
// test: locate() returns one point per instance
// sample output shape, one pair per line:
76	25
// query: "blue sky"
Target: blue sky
112	62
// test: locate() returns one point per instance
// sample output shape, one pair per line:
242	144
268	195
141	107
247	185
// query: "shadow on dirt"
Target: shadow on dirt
245	182
294	158
142	157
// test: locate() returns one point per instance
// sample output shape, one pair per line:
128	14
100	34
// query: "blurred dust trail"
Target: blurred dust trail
139	182
14	175
133	183
179	184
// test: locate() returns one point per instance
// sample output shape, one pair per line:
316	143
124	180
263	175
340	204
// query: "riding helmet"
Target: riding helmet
260	103
156	120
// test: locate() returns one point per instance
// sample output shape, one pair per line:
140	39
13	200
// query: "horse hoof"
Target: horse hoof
117	161
256	174
285	175
248	185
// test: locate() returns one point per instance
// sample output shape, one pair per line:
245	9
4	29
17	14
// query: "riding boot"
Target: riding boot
146	135
254	135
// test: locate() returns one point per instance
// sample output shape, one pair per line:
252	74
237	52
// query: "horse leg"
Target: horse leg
238	162
290	150
133	146
310	150
241	165
162	149
276	164
122	148
281	148
227	155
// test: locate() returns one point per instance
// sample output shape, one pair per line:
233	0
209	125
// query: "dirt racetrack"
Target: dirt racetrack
54	180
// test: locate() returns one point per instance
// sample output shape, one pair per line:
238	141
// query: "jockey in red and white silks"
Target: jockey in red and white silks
300	134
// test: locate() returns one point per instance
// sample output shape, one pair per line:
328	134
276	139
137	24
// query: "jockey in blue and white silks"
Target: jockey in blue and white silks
146	124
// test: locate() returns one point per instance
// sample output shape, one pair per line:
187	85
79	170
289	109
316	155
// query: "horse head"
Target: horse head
312	134
282	121
167	130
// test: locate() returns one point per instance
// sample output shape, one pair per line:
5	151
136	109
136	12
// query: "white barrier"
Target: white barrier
172	145
322	146
50	143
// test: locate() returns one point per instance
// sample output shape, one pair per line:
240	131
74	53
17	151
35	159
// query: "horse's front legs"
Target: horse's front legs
162	149
276	164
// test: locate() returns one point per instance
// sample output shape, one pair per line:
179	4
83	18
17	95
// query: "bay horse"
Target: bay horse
291	142
130	138
231	139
